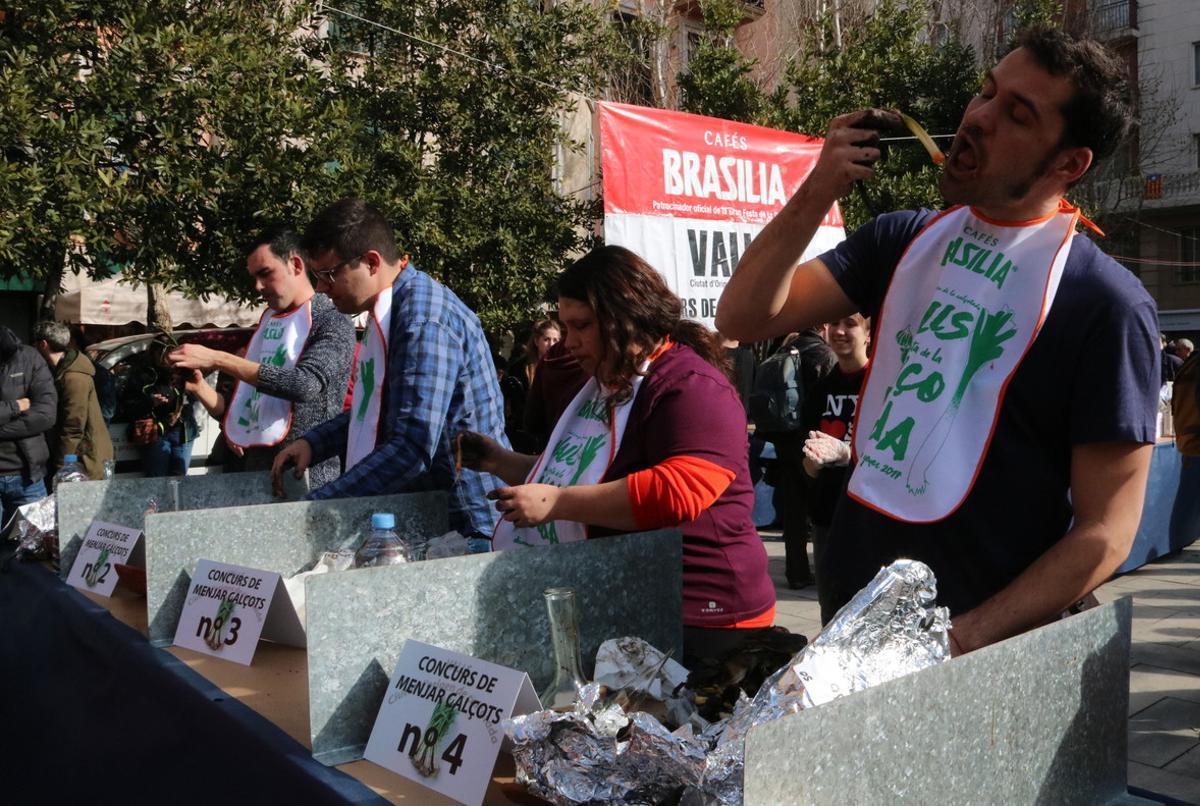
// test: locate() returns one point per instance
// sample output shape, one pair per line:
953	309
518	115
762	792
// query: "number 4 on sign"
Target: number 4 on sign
440	723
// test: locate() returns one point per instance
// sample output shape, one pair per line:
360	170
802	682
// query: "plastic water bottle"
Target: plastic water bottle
382	546
71	470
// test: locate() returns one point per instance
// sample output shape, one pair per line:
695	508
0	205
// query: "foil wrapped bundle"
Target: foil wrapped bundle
598	753
891	628
35	529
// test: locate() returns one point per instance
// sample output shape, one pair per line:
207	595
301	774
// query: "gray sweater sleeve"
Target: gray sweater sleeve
323	363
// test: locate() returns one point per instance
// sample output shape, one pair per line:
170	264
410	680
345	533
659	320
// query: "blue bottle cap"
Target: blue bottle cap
383	520
70	457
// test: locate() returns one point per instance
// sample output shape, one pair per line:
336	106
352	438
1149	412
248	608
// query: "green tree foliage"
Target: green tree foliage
1025	13
162	134
54	168
718	81
158	134
888	62
457	140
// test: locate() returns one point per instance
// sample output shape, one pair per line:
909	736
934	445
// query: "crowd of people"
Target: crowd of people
991	416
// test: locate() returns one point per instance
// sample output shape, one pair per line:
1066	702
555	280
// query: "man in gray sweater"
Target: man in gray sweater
296	368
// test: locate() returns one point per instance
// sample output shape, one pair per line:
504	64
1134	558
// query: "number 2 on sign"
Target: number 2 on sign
95	576
207	627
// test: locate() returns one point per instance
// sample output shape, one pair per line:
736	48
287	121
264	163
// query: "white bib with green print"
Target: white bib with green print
965	304
581	448
369	377
254	419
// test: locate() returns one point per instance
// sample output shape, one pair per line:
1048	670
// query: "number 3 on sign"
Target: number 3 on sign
210	631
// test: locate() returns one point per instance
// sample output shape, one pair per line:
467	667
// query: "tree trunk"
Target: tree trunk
158	309
54	278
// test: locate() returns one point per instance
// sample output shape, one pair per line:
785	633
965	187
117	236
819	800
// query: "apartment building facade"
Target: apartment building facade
1160	202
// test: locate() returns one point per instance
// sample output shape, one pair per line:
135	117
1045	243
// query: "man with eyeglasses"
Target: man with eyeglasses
295	370
424	374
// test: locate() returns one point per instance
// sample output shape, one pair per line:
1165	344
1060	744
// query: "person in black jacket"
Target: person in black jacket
791	482
28	406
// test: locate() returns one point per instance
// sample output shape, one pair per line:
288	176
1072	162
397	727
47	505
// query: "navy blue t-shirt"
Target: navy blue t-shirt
1092	375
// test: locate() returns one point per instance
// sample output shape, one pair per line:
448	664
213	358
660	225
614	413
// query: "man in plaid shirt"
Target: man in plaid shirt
437	381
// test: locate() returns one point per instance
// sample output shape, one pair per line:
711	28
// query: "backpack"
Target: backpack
1185	406
778	392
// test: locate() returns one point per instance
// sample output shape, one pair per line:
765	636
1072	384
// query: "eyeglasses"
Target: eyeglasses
326	275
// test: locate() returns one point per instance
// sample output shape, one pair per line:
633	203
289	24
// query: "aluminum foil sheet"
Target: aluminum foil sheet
36	530
599	753
889	629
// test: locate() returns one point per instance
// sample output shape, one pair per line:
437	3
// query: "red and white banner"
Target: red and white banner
688	193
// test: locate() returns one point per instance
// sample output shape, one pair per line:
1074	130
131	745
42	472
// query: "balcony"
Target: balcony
1150	192
1115	19
1178	188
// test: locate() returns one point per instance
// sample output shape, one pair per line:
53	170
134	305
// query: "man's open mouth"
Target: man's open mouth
964	155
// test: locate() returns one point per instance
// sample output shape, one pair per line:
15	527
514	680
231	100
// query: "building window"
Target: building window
1196	64
1189	255
1196	148
631	80
691	36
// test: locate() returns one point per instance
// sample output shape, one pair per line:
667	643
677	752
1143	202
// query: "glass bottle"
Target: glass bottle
564	633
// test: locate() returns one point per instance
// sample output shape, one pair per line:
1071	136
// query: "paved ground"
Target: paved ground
1164	675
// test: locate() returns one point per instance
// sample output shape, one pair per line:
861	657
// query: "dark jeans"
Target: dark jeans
170	456
16	492
792	506
824	593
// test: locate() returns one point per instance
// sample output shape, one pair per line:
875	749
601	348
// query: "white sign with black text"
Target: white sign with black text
104	546
440	722
229	608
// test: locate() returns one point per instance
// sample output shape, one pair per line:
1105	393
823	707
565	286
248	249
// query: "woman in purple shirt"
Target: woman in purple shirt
677	455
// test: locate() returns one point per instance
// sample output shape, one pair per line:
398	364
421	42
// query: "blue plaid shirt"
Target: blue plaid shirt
440	382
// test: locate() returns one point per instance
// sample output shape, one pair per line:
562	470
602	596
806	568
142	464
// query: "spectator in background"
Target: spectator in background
815	360
163	417
1170	361
106	386
556	380
518	378
829	423
27	409
81	428
743	364
1183	349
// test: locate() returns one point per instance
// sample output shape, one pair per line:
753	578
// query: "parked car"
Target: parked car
119	356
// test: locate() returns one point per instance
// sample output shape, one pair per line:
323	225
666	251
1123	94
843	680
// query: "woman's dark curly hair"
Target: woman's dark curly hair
634	311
